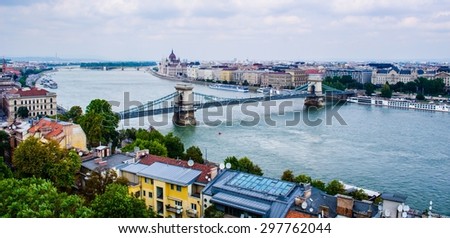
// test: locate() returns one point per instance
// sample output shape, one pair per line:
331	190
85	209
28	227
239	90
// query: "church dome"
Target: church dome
172	56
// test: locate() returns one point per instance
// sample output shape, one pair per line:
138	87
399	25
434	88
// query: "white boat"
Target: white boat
400	103
229	87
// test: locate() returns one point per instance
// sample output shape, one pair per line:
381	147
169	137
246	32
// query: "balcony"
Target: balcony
174	209
191	213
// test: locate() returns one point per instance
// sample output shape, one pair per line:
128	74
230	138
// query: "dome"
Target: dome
172	56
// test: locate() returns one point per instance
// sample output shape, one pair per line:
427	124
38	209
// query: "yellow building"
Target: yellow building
170	187
227	75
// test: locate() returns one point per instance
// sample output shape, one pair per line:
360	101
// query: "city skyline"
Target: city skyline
354	30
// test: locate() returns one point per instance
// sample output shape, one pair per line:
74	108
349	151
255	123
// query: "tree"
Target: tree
386	91
195	154
5	171
420	97
410	87
97	182
370	88
48	161
175	148
303	178
359	194
245	83
4	144
288	175
34	198
22	112
399	87
74	113
212	212
156	148
100	123
318	184
244	164
116	202
335	187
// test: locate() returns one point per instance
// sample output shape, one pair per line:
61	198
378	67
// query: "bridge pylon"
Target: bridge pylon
183	114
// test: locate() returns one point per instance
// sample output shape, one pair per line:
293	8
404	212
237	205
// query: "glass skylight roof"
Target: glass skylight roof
261	184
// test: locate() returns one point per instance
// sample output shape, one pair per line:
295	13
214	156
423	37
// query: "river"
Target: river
382	149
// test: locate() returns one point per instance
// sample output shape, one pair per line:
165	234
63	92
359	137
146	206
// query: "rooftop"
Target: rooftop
169	173
207	170
112	162
29	92
394	197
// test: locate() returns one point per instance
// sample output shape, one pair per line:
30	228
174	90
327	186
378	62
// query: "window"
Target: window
159	192
171	186
150	194
143	193
193	206
178	203
178	188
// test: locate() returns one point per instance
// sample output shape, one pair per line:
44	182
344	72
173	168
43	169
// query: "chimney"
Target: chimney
97	160
344	205
102	163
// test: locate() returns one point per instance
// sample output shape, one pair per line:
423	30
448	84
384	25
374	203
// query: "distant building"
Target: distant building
277	80
239	194
299	76
360	75
173	67
67	134
37	101
170	187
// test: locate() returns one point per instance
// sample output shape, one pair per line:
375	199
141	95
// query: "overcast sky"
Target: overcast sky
224	30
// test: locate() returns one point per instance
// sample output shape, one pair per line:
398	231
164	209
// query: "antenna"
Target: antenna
228	165
190	163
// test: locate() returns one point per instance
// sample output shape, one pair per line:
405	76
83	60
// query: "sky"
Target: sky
310	30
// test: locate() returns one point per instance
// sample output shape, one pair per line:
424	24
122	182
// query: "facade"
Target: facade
172	66
170	187
252	77
299	76
277	80
38	102
444	76
360	75
239	194
68	135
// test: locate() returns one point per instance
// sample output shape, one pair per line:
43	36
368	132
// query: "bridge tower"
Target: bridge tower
183	114
315	97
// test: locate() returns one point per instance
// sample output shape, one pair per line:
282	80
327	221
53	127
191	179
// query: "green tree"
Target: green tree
244	164
4	144
34	198
22	112
35	159
370	88
410	87
5	171
195	154
420	97
212	212
100	123
116	202
303	178
359	194
97	182
288	175
175	147
386	91
74	113
399	87
335	187
318	184
156	148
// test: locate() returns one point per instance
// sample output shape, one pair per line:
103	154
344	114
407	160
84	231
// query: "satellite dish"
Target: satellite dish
80	153
221	166
404	214
190	163
387	213
406	208
311	209
304	205
431	203
136	149
228	165
400	208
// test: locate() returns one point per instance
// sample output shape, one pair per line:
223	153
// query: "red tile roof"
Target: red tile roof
205	168
29	92
312	71
296	214
48	128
